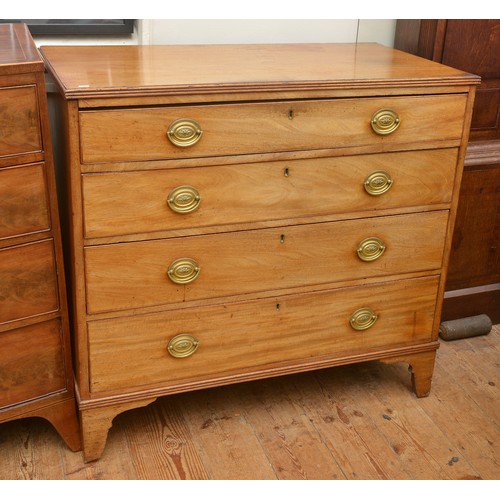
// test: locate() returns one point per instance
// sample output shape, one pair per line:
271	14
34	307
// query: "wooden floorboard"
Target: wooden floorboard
351	422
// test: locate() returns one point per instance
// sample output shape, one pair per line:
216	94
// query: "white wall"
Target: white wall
207	31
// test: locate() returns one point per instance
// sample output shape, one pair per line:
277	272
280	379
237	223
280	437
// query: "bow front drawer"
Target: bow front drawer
140	274
169	132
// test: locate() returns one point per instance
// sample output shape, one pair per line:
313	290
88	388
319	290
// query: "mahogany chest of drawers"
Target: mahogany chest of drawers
239	212
36	376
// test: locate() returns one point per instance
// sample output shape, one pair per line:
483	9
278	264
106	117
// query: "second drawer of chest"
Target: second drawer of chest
147	201
132	275
168	349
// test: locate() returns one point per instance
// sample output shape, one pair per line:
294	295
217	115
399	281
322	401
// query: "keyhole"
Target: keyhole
286	172
290	114
277	307
282	238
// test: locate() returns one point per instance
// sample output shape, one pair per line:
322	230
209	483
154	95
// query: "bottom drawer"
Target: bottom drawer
31	363
236	338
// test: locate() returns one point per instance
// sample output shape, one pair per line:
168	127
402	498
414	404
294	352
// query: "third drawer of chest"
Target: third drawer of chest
149	273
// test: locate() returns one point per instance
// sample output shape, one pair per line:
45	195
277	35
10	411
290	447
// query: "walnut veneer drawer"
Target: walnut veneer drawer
23	200
241	337
148	201
28	285
31	364
229	129
19	121
132	275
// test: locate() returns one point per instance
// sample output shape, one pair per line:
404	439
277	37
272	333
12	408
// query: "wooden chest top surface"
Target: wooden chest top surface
88	71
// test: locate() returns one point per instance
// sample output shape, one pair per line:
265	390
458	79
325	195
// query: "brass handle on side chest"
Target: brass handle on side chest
184	132
184	199
378	182
183	345
385	121
183	271
370	249
363	318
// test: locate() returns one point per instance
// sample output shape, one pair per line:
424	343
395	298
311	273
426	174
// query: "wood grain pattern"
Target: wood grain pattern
24	207
472	45
27	281
175	452
234	129
32	363
132	352
19	121
352	422
476	240
135	202
133	275
84	72
18	53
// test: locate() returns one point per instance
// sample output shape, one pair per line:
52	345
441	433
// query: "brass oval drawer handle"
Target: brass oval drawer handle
184	199
370	249
363	318
183	345
184	132
183	271
378	182
385	121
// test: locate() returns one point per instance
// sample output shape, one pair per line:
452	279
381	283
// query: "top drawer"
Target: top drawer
19	121
232	129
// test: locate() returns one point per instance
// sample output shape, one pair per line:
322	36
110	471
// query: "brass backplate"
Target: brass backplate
184	132
183	345
363	318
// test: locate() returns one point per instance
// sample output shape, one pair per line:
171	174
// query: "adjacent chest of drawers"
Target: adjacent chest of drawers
36	377
240	212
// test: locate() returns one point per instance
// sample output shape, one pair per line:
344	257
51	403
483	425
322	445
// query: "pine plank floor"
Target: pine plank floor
352	422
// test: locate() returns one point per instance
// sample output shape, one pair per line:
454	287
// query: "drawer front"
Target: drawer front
132	275
243	337
28	285
23	201
19	121
142	202
230	129
31	363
